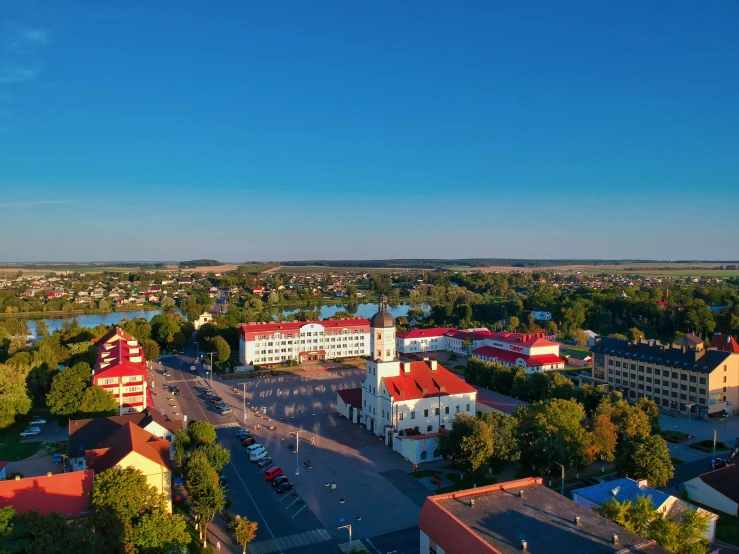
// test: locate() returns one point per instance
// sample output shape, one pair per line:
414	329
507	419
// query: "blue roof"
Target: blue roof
628	489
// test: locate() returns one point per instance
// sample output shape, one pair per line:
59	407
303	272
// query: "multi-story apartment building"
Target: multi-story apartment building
303	341
675	377
121	370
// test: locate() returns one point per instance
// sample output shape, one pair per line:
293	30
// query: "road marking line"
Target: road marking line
293	502
300	510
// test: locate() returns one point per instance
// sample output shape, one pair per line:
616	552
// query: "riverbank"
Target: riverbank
61	314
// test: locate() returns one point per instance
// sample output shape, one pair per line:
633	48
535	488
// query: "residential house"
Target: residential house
67	494
520	516
205	317
626	489
132	446
717	489
534	352
87	434
578	359
422	340
542	314
727	343
121	370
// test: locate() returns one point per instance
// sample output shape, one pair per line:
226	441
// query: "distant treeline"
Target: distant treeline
199	263
83	267
466	262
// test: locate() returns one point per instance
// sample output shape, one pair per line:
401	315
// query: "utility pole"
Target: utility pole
713	461
244	385
211	365
297	457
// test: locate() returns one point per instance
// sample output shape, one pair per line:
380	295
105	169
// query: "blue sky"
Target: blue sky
339	129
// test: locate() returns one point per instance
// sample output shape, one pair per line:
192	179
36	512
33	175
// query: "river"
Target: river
111	318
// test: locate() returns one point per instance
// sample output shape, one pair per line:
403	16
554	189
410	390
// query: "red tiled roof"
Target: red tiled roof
64	493
351	396
296	325
512	357
129	438
421	382
521	339
473	335
424	333
117	360
727	343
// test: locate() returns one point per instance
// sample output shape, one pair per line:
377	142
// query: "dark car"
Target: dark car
175	390
248	441
215	399
262	462
242	434
720	462
284	487
221	405
277	481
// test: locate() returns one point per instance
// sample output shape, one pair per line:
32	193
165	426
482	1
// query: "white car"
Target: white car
31	432
192	368
38	421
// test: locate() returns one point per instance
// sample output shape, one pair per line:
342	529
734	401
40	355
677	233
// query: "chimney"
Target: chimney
17	477
433	364
614	538
520	493
577	520
49	474
524	545
472	502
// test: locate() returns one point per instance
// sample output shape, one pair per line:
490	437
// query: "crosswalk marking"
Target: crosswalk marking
289	541
224	425
355	546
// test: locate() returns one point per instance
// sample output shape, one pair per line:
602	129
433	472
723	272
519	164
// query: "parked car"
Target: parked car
166	373
221	405
38	421
31	432
242	434
175	390
192	368
720	462
277	481
226	411
284	487
208	390
215	399
265	461
248	441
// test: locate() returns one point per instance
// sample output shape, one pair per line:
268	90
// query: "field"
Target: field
648	270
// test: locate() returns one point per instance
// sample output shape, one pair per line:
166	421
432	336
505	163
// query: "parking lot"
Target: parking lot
344	486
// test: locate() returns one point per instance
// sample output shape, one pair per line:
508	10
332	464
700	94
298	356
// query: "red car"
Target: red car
248	441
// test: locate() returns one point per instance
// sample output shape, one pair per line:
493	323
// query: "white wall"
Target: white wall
703	494
426	544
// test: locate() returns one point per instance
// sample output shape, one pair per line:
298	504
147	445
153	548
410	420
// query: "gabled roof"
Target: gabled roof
693	338
727	343
115	334
65	493
87	434
724	480
352	397
296	325
127	439
511	357
424	333
420	381
622	490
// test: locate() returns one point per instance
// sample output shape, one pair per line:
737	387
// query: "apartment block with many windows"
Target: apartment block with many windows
121	371
673	376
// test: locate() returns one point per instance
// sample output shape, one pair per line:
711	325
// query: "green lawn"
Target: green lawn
421	473
707	446
675	436
676	461
727	528
11	448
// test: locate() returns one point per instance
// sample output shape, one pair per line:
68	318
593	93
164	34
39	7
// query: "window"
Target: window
649	379
618	381
692	378
683	397
610	362
618	372
457	408
649	389
610	379
692	389
656	382
674	395
683	387
468	407
684	377
633	367
702	380
428	428
632	394
633	376
665	402
674	385
656	371
446	410
436	411
675	374
610	371
400	416
383	414
724	378
618	364
425	413
701	401
413	414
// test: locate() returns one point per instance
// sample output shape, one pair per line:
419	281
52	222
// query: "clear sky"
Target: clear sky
275	130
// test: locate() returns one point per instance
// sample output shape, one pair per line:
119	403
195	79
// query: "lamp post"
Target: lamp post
563	477
690	407
297	458
349	527
244	385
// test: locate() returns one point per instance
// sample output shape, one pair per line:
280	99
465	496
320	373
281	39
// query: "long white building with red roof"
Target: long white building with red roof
121	370
303	341
534	352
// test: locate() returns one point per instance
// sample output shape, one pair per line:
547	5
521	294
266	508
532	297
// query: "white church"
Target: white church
406	403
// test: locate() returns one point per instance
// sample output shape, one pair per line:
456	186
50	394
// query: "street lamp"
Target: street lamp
297	462
689	406
349	527
563	477
244	385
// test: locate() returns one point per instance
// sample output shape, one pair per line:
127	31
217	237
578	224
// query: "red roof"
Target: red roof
351	397
727	343
521	339
481	334
424	333
64	493
512	357
420	381
115	360
296	325
2	465
128	438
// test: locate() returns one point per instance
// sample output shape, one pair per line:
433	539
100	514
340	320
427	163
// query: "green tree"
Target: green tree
181	444
467	346
635	334
217	456
651	410
273	297
14	398
52	534
42	330
469	443
244	530
513	323
168	302
151	349
205	492
351	291
581	338
103	304
201	432
97	402
603	438
646	457
131	516
221	349
68	388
